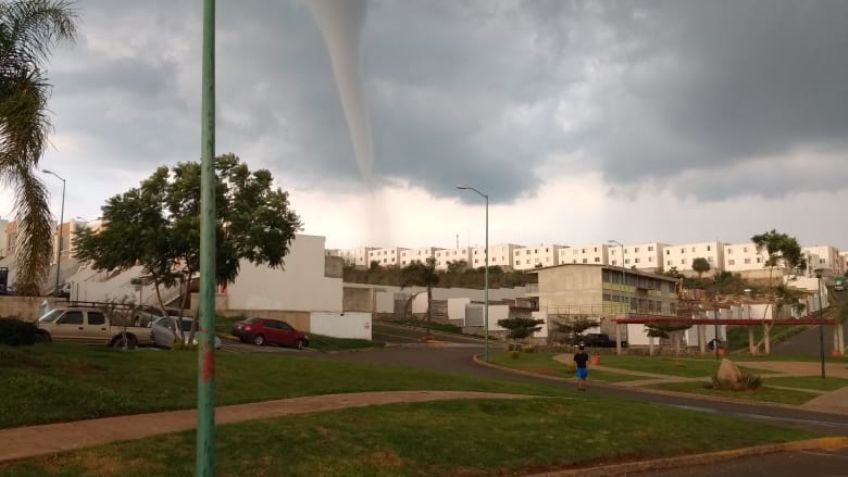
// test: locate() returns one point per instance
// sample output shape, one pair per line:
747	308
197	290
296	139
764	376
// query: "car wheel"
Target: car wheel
121	342
299	344
43	337
259	340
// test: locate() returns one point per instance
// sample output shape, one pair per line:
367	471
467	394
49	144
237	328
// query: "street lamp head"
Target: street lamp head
462	187
47	171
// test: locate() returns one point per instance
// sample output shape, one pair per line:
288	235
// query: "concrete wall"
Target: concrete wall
24	307
301	285
358	299
456	309
341	325
562	287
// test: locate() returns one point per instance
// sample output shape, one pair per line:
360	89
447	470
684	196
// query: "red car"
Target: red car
262	331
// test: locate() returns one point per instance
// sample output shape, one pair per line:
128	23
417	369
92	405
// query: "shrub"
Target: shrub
17	333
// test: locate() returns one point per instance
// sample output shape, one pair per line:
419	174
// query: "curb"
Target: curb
660	392
824	443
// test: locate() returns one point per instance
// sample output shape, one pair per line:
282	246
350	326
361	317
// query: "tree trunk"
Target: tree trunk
429	309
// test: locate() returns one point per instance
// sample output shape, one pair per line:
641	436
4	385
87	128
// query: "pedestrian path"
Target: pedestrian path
34	441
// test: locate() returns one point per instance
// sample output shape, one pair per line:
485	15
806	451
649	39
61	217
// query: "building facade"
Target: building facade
501	255
407	257
599	290
386	257
596	254
445	256
353	256
644	256
544	255
681	256
743	257
823	257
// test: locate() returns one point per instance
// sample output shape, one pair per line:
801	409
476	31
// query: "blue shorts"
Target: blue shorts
582	373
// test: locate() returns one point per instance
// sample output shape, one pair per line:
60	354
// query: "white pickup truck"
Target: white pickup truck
85	324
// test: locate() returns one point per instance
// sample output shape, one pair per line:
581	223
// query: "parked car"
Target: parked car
148	314
262	331
85	324
164	332
598	340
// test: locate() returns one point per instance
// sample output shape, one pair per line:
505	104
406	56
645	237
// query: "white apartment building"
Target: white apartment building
740	257
544	255
407	257
681	256
386	257
843	259
443	257
644	256
353	256
4	239
596	254
501	255
823	256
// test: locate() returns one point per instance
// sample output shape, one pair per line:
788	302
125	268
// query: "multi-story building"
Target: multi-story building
501	255
10	232
462	254
600	290
743	257
353	256
408	257
544	255
596	254
386	257
681	256
823	257
843	259
644	256
69	231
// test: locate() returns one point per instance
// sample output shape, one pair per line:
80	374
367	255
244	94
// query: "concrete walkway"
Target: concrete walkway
28	442
833	401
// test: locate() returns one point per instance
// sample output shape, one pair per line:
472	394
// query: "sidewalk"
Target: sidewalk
27	442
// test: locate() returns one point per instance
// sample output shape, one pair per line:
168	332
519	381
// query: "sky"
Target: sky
673	121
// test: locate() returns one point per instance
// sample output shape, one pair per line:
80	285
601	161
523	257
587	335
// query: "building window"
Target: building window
597	259
708	248
668	263
710	259
626	261
651	259
585	261
683	261
682	250
729	251
651	248
693	249
747	261
731	262
759	259
613	262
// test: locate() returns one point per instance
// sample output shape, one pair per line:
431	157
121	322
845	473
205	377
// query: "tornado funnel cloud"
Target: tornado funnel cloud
341	23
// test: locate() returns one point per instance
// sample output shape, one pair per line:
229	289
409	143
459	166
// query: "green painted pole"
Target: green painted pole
206	349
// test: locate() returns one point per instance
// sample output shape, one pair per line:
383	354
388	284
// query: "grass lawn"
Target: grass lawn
467	438
61	382
765	393
436	326
808	382
737	336
543	363
689	367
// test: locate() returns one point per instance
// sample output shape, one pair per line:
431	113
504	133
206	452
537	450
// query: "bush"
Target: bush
17	333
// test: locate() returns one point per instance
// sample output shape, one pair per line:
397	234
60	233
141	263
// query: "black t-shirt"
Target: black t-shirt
581	358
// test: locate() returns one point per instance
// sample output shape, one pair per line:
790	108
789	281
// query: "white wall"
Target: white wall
385	301
681	256
453	255
341	325
644	256
743	256
595	254
300	286
456	308
528	258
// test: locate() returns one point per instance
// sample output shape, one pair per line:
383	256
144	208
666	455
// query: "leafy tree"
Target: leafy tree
701	266
424	275
28	32
157	225
520	328
573	327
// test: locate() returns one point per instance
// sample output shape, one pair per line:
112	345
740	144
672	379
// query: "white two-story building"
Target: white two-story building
528	258
595	254
681	256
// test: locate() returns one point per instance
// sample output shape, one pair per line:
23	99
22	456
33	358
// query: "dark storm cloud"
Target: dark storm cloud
488	93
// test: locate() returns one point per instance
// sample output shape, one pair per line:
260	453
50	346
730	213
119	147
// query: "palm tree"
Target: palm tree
425	275
29	29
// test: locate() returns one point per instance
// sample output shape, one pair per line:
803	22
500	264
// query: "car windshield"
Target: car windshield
249	321
50	316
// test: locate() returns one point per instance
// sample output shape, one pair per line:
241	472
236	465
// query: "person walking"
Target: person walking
581	358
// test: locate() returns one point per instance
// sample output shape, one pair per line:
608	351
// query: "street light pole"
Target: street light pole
821	325
486	275
61	219
205	448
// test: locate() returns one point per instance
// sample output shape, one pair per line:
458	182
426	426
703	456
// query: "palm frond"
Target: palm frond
33	249
31	28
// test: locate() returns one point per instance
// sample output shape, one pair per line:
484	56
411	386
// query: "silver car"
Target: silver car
164	331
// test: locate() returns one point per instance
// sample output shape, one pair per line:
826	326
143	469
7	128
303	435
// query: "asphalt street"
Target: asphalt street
788	464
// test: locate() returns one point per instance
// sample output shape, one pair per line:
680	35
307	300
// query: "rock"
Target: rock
728	374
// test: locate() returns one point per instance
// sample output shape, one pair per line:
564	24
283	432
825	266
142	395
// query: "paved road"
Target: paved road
790	464
458	360
807	343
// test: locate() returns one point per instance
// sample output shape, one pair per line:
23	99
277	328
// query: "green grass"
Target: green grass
328	343
808	382
459	438
543	363
435	326
688	367
61	382
765	393
737	336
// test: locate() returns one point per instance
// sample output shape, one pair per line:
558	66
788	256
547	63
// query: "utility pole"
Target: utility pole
821	325
205	457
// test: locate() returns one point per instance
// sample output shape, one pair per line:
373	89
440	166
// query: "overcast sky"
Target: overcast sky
675	121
